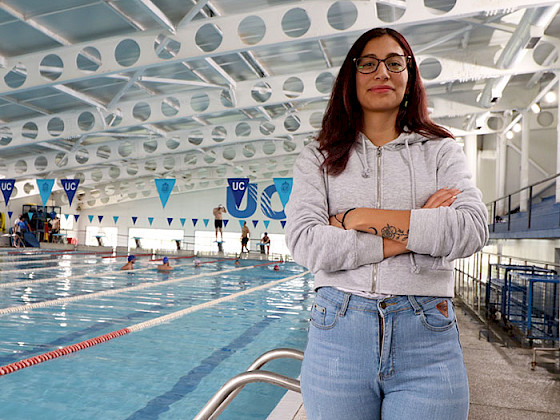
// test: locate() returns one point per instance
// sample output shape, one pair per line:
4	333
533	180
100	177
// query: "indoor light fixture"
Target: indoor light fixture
517	128
509	135
550	97
536	108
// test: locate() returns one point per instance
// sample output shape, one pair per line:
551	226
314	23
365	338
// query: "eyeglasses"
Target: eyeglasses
369	64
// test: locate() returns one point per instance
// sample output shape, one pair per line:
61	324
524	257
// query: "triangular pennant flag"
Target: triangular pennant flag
169	220
70	186
134	218
182	220
151	220
10	214
30	215
283	223
205	221
7	186
284	188
266	223
90	217
238	187
255	223
100	218
115	219
241	223
194	222
45	188
225	222
164	187
76	216
66	217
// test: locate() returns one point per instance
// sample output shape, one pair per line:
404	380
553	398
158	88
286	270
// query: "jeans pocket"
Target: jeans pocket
439	316
323	314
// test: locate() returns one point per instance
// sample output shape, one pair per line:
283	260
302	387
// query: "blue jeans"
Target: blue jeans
392	359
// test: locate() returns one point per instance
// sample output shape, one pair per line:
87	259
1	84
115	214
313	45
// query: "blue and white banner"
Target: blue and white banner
70	186
164	187
238	186
115	219
45	188
284	189
7	187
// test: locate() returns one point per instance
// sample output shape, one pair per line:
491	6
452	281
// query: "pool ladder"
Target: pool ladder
219	402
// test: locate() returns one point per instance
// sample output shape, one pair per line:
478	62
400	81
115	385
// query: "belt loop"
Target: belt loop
344	306
415	305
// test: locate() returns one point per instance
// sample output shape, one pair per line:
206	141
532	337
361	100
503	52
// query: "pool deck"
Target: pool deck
502	384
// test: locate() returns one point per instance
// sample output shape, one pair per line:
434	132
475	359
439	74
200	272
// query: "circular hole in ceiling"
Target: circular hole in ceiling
132	168
439	7
495	123
5	136
324	82
249	150
141	111
20	167
169	162
251	30
243	129
96	175
545	118
172	144
170	106
210	157
295	22
293	87
150	165
55	126
82	155
103	152
316	120
166	47
292	123
229	153
289	146
430	68
127	52
150	146
261	92
41	163
390	12
28	187
61	159
219	134
114	118
208	37
342	15
86	120
125	148
196	137
267	128
200	102
114	172
88	59
30	130
16	76
268	147
51	67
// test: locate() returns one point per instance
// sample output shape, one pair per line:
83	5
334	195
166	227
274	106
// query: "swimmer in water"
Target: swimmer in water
165	266
276	268
196	263
237	262
130	264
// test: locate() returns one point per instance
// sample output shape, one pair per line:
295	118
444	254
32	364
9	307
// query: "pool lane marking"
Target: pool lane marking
13	367
59	301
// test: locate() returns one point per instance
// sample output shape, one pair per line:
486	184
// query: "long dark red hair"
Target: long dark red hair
342	121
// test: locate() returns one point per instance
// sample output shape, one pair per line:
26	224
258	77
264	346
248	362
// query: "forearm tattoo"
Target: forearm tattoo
394	233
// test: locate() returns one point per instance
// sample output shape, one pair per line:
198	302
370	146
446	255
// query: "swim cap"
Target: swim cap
266	233
131	257
165	260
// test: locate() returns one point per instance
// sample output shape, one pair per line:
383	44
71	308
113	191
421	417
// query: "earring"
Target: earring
405	100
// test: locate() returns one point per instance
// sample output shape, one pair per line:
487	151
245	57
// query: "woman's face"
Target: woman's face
382	90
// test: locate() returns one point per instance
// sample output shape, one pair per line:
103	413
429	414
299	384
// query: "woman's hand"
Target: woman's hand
336	220
442	198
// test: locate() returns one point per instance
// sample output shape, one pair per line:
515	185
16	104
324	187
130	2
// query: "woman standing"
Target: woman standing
381	205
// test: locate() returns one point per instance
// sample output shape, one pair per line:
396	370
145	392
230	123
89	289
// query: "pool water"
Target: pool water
167	371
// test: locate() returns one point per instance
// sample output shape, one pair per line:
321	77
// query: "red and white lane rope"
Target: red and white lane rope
13	367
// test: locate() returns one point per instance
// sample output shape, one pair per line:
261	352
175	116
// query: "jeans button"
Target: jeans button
382	304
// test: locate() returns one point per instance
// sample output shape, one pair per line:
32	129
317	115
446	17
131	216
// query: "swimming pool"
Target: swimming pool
219	318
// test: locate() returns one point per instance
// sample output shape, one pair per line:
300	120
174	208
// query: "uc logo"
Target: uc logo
251	206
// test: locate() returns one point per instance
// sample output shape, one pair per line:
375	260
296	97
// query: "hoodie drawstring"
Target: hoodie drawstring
414	269
365	166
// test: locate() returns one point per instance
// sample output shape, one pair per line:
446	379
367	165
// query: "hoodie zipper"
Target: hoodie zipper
375	266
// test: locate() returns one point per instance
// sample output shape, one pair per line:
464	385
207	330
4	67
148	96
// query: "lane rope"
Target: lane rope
31	361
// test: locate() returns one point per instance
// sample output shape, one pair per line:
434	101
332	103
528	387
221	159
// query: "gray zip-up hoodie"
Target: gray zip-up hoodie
401	175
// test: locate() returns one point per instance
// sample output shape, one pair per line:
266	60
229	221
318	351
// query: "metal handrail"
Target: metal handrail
219	402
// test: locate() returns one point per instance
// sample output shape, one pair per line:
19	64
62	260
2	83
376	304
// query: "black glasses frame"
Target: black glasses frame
379	60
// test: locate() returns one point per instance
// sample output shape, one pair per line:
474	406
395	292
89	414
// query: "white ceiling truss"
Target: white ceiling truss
119	92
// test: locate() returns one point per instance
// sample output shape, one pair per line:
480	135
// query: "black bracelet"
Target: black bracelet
344	217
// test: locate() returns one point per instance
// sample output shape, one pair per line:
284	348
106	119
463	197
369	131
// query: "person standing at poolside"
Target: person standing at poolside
381	205
218	220
245	233
266	242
